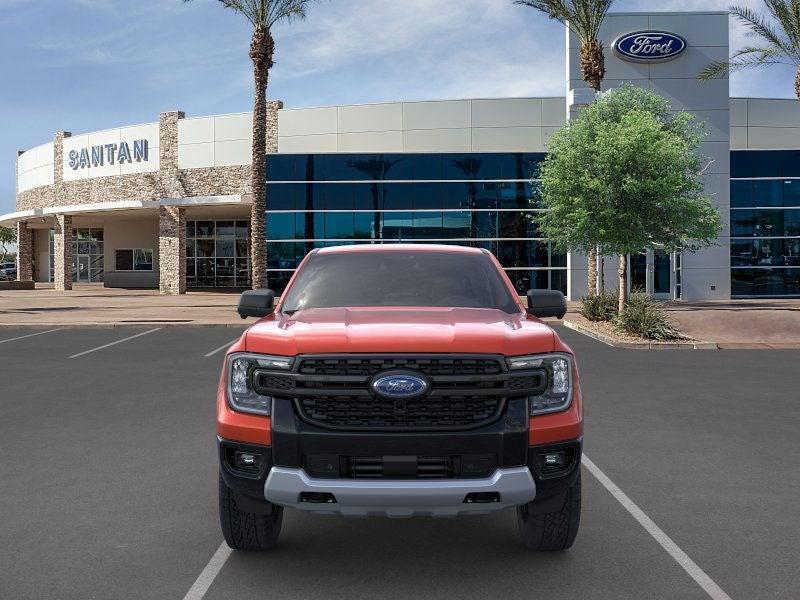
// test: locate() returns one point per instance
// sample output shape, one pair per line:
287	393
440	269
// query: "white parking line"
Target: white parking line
115	343
209	574
221	348
22	337
695	572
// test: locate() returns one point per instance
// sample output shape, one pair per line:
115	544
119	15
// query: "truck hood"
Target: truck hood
341	330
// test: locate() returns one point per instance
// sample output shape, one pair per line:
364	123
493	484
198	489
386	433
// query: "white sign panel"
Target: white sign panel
122	151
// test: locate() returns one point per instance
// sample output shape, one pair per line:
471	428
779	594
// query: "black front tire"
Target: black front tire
248	531
555	530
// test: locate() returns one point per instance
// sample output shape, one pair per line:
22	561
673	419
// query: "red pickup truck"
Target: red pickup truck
400	380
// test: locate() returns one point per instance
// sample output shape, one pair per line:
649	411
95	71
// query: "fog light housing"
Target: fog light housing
249	462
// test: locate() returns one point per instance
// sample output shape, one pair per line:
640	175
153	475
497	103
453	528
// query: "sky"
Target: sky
86	65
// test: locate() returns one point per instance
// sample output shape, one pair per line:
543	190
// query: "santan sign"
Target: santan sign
97	156
649	46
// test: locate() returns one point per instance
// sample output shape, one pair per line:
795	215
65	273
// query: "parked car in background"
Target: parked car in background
8	271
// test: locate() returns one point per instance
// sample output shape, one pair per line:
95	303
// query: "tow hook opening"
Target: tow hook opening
318	498
482	498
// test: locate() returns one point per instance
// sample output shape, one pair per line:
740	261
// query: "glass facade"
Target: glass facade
765	223
217	254
480	200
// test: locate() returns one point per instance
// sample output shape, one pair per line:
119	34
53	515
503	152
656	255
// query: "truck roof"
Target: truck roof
399	248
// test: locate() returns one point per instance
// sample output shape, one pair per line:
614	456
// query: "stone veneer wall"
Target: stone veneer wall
62	251
172	250
24	252
169	182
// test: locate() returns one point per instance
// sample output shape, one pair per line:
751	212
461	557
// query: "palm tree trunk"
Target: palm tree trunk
261	51
593	70
593	67
623	282
797	84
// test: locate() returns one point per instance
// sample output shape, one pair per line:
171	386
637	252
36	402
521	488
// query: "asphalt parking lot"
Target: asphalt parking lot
108	483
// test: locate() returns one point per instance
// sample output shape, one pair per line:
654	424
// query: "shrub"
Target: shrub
646	318
601	307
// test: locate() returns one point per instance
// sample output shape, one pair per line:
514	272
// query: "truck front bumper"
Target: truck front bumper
400	498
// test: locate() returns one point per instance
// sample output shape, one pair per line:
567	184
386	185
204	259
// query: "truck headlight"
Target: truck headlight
558	395
241	395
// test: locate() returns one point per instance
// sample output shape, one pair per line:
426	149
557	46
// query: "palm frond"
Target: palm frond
759	26
787	14
583	17
745	58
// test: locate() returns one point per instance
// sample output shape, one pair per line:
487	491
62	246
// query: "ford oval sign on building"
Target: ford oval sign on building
649	46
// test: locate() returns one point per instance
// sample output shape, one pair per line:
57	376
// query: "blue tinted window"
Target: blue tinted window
486	224
397	196
281	167
367	196
457	224
425	195
768	163
742	164
339	196
280	226
742	223
426	166
339	225
741	194
365	225
281	196
791	192
427	225
765	282
458	195
397	225
768	193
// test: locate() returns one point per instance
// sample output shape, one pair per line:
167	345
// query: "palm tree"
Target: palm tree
584	19
263	15
780	41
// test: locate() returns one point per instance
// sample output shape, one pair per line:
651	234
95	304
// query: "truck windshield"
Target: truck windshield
385	278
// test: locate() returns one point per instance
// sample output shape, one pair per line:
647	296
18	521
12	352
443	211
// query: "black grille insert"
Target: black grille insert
466	391
449	412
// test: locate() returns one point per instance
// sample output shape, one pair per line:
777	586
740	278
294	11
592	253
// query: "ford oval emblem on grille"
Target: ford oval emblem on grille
399	385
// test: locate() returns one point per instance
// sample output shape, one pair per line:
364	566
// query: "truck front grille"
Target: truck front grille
446	412
466	391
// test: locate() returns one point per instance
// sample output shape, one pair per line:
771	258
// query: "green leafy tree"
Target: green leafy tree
778	40
584	19
8	236
626	174
263	15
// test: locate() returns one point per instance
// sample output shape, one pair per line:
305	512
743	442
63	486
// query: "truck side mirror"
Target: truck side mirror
547	303
256	303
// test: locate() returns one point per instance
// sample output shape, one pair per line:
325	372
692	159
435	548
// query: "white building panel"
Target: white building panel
233	152
738	109
195	156
370	117
371	141
507	139
302	144
554	111
237	126
444	114
773	113
308	121
437	140
508	112
196	131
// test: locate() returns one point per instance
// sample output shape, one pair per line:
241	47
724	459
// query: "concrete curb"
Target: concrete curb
640	345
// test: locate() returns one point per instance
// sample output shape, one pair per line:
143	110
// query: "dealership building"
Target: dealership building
167	204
